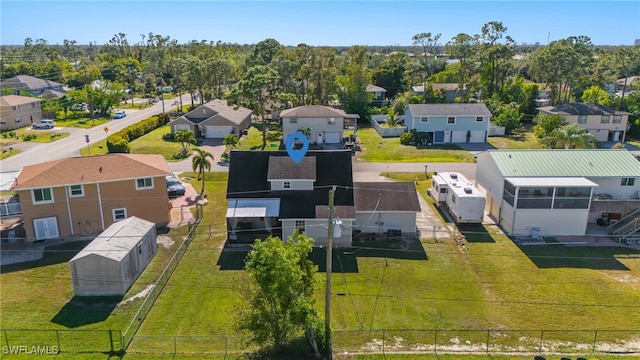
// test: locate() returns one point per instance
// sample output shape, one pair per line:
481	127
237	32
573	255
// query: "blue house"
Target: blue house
449	123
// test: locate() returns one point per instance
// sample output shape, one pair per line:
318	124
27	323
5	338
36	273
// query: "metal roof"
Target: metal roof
253	208
449	110
551	181
565	163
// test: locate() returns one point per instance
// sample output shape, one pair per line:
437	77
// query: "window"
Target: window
508	193
42	196
453	199
605	119
286	185
144	183
582	119
617	119
628	181
119	214
34	105
76	190
535	197
451	120
479	119
331	121
293	121
424	119
572	198
15	108
18	120
139	249
299	225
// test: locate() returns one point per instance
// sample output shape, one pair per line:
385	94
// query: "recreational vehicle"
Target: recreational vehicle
458	196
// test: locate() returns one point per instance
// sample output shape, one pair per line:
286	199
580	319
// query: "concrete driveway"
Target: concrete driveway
213	146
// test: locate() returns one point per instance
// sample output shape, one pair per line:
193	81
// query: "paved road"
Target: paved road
70	146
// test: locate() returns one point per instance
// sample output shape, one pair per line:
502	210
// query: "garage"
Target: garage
459	136
477	136
217	131
333	138
600	134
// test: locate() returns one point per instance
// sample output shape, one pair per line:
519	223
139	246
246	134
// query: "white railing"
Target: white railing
10	208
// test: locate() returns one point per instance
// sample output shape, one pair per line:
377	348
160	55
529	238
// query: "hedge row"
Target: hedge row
119	142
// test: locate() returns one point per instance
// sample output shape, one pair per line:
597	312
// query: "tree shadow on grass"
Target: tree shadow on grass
52	255
579	257
84	310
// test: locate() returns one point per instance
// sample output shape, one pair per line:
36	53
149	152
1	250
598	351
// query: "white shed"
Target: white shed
112	262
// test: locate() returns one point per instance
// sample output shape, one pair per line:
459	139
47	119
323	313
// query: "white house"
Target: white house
449	123
112	262
326	124
559	192
604	123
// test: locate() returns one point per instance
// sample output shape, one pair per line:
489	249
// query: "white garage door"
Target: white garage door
332	138
477	136
218	132
459	136
600	134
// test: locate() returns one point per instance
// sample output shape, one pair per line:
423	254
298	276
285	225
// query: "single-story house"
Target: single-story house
33	85
18	111
449	123
214	120
378	95
604	123
269	194
112	262
326	123
559	192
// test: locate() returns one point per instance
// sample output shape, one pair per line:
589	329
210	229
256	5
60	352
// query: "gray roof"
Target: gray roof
375	88
581	109
593	163
52	94
312	111
13	100
27	82
283	168
217	107
116	241
385	196
449	110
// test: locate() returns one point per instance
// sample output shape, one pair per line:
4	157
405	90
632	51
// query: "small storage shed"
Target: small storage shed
112	262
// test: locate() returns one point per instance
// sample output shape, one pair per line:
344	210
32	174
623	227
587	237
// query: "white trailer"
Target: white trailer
462	200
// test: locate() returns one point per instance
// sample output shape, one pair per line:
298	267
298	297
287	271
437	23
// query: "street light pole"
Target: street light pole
327	308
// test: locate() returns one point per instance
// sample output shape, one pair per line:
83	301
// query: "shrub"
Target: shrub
28	137
406	138
168	137
117	144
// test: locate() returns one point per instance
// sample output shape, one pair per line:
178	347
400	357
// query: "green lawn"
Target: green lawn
522	138
42	135
253	140
84	123
6	152
377	149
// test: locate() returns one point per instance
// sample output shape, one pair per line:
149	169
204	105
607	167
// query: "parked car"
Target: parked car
174	187
44	124
120	114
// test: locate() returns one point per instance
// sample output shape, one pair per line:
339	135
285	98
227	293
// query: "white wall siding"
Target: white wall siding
554	222
405	221
317	229
611	186
317	125
488	177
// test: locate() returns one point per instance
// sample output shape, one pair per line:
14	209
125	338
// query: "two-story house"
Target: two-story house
449	123
326	124
269	194
378	95
214	120
30	84
559	192
84	195
18	111
605	124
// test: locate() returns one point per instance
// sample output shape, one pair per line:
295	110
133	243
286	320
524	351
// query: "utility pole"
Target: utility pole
327	307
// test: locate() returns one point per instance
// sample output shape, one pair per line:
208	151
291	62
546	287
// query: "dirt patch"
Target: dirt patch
139	295
165	241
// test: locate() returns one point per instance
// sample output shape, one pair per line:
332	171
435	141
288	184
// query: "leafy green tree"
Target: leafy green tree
264	52
185	137
597	95
230	141
391	74
258	84
496	58
547	124
353	95
509	117
306	131
461	47
280	301
429	45
570	137
200	163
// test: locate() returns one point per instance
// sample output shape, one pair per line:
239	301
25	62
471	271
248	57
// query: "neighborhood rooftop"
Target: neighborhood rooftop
581	109
235	114
312	111
449	109
13	100
387	196
283	168
566	163
91	169
21	82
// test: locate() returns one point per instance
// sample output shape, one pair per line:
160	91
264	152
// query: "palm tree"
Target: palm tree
201	163
306	131
570	137
185	137
230	141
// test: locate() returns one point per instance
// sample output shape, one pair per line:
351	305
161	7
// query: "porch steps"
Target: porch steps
627	227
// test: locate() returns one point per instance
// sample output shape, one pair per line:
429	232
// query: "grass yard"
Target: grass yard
6	152
41	136
521	138
253	139
378	149
83	123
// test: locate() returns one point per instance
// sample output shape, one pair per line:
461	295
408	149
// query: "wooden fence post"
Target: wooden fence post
58	339
595	338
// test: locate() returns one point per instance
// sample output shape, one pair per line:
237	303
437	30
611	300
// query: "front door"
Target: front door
46	228
320	138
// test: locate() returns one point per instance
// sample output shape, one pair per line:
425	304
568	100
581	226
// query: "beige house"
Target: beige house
214	120
18	111
325	123
604	123
85	195
112	262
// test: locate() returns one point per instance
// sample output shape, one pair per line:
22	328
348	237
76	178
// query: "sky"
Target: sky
315	23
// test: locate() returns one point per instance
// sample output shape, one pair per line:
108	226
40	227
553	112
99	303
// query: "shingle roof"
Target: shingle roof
91	169
21	82
449	110
217	107
52	94
581	109
116	241
248	179
312	111
283	168
392	196
566	163
13	100
375	88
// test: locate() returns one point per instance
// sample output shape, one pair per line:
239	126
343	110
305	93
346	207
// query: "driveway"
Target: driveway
475	149
213	146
